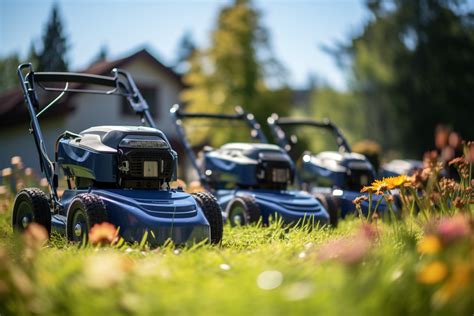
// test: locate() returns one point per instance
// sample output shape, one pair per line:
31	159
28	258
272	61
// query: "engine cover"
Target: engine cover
118	156
248	165
348	171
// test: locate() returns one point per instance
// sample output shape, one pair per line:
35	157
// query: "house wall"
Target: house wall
17	141
92	110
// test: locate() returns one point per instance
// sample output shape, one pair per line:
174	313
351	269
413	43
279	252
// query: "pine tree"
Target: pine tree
186	48
33	56
55	46
101	55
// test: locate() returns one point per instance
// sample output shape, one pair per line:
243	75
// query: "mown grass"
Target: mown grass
256	271
418	263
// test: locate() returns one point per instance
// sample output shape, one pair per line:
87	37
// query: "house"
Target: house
75	112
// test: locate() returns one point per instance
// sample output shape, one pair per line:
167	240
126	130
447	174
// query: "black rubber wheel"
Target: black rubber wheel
243	210
83	213
331	206
31	206
212	212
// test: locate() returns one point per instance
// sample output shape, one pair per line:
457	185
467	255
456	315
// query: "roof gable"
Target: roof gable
12	109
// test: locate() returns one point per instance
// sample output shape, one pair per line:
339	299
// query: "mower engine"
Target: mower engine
248	165
117	157
346	171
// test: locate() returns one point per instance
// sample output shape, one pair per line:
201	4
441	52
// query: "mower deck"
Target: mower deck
164	214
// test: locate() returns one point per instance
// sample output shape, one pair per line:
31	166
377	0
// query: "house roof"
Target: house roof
13	111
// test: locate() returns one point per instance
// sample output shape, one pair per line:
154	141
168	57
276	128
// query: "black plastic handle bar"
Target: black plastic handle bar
288	121
74	77
238	116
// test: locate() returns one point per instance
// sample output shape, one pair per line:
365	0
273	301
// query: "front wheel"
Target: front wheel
84	212
243	210
31	206
330	205
213	213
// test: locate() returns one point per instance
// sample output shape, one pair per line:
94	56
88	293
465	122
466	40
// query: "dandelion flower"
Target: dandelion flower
430	244
432	273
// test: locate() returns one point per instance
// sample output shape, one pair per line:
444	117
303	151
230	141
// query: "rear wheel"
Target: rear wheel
212	212
84	212
31	206
243	210
330	205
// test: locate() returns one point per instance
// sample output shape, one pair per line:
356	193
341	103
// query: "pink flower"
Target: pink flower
352	249
369	231
453	228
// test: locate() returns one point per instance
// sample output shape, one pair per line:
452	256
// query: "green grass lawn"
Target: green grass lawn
351	270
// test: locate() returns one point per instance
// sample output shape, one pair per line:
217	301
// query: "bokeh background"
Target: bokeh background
388	73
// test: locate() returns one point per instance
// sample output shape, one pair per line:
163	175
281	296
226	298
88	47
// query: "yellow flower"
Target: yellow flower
459	279
430	244
396	182
432	273
378	186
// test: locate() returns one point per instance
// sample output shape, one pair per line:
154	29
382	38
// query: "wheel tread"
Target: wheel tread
94	209
41	207
213	213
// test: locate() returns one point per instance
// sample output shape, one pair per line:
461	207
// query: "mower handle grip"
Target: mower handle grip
239	115
75	77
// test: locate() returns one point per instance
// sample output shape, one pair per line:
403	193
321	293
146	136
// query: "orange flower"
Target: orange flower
103	234
359	199
432	273
35	236
430	244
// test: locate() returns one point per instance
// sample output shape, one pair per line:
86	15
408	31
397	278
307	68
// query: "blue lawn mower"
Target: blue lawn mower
334	177
249	180
116	174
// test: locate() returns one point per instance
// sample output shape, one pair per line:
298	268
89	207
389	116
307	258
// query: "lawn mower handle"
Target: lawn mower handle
28	81
31	101
276	123
177	115
74	77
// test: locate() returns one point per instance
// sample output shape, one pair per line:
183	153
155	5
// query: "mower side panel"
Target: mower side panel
79	162
163	214
347	207
291	206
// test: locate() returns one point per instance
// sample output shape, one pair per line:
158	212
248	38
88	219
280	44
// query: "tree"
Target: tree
186	48
8	68
52	57
101	55
413	68
237	68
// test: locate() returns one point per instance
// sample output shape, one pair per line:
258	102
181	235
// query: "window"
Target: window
150	94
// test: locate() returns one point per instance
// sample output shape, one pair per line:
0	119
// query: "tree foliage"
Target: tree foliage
8	67
236	69
186	48
413	68
52	57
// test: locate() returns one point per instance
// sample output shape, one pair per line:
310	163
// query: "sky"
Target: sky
298	29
